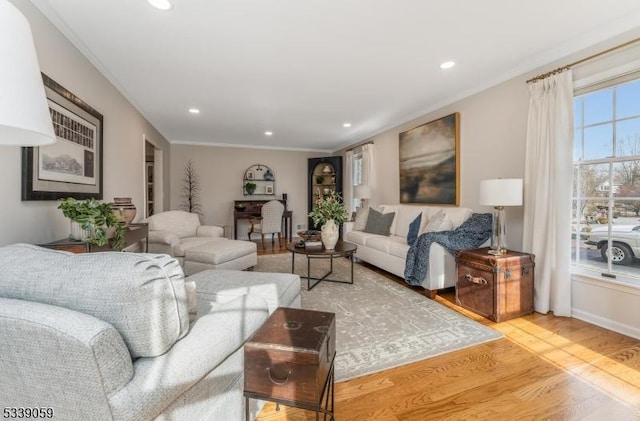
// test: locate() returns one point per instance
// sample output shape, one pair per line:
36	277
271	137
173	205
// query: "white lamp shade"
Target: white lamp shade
24	113
501	192
362	191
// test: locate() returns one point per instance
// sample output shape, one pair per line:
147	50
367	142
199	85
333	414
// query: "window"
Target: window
606	182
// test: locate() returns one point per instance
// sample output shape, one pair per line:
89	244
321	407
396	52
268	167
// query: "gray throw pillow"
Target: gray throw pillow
379	223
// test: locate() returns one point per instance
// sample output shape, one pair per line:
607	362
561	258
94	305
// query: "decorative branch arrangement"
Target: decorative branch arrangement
190	191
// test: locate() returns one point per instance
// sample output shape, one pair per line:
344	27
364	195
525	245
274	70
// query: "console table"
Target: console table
135	233
245	209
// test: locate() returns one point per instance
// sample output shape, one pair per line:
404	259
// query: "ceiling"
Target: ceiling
303	68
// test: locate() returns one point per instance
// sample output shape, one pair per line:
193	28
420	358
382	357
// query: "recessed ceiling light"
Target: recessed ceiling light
268	133
194	111
447	64
161	4
346	125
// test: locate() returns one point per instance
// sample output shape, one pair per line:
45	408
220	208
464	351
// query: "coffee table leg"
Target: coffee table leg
293	262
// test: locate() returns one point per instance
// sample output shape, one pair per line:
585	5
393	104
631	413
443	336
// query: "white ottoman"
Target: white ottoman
221	254
220	286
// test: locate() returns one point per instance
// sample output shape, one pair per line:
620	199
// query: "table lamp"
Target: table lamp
500	193
362	192
24	112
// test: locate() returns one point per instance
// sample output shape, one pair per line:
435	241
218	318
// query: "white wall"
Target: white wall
220	171
492	143
41	221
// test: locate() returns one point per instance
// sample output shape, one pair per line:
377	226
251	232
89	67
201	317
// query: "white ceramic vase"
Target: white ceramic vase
329	234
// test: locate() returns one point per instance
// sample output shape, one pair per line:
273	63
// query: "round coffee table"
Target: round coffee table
342	249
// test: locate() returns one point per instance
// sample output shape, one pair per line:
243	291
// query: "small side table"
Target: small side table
496	287
135	233
289	361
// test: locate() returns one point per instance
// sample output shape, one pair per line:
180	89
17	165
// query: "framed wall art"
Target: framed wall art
72	166
430	162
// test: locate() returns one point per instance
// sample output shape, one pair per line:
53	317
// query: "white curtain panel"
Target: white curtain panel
347	188
547	191
368	171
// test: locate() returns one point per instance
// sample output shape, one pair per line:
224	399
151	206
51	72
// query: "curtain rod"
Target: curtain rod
362	144
575	63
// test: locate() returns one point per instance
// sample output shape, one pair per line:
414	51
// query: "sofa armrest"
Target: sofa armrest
163	237
212	338
210	231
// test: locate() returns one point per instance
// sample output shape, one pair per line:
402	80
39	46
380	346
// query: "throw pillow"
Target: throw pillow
414	228
361	219
435	222
379	223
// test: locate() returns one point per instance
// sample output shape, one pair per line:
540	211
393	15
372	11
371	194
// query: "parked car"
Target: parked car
625	244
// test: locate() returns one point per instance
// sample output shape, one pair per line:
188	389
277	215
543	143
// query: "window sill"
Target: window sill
621	283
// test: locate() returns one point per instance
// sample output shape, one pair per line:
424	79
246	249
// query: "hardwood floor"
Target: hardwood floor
545	368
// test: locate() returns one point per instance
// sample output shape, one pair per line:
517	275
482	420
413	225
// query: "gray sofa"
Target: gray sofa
107	336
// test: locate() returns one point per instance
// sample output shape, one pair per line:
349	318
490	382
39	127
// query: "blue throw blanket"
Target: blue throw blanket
470	235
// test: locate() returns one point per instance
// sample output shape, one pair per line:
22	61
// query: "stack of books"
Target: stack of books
312	244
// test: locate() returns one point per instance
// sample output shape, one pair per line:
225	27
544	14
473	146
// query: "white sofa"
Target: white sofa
389	252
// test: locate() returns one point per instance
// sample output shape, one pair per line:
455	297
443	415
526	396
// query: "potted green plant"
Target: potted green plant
94	218
329	212
250	187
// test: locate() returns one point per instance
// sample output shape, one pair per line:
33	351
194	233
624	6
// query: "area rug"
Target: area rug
379	324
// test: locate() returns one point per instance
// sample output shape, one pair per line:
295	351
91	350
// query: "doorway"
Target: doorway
153	186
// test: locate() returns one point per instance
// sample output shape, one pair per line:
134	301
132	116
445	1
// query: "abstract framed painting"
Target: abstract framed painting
430	162
72	166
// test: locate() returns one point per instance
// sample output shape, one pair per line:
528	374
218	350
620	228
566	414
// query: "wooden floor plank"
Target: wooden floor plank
546	367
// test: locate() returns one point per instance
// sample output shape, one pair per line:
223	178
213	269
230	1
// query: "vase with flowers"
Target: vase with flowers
329	212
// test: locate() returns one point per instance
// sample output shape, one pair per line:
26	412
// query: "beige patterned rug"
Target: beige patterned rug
379	324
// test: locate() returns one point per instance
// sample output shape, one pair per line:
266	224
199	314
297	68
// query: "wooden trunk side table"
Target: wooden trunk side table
289	361
496	287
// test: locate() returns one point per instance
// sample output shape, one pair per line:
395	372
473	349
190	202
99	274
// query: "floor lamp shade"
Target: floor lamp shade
24	113
500	193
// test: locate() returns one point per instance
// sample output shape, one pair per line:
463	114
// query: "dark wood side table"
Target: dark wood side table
289	361
496	287
135	233
342	249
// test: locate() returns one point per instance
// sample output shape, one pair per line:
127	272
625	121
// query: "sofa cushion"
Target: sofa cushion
398	247
380	242
436	222
361	219
414	230
458	215
220	286
142	295
358	237
390	209
405	214
379	223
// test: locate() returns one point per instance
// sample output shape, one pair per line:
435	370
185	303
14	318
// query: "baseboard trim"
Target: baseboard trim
612	325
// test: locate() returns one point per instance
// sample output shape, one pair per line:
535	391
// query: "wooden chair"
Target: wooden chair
269	223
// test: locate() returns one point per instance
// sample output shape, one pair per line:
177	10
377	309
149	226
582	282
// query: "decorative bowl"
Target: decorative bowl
310	235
